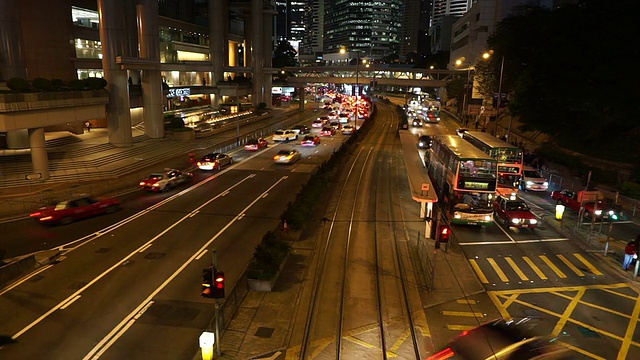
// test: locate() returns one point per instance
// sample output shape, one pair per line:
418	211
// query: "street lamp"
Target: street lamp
486	56
465	111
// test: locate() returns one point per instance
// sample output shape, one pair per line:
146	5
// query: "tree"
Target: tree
565	76
284	55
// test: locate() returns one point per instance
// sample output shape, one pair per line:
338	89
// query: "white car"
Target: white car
348	129
532	180
285	135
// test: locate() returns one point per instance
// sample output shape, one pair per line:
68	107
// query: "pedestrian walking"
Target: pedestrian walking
629	255
88	126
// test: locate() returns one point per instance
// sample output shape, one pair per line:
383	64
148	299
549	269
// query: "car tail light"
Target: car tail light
36	214
142	183
46	218
444	354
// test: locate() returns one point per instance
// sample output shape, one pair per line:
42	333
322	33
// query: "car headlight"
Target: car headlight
546	183
529	182
487	218
611	212
156	185
457	215
421	144
141	183
515	221
598	212
533	221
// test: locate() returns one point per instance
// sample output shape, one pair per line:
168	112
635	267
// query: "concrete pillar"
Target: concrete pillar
39	158
257	64
267	78
218	12
301	96
17	139
112	36
152	94
12	58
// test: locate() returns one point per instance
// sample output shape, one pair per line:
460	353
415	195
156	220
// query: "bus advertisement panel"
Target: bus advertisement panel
510	159
464	178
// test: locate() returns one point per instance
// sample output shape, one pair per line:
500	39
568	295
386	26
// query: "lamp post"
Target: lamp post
487	55
465	112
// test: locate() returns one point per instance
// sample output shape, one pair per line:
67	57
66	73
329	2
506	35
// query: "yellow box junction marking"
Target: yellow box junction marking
535	268
466	302
570	265
462	313
631	328
459	327
479	272
515	268
553	267
586	263
392	350
567	313
497	269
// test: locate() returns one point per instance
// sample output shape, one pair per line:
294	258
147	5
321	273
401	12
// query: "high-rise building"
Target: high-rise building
372	28
443	14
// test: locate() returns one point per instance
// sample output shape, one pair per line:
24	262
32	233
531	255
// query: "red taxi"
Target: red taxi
68	211
256	144
514	212
310	140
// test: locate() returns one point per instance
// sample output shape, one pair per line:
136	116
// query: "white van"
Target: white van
532	180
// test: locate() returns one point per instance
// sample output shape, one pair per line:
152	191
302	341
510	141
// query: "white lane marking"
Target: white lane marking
114	334
26	278
115	266
510	243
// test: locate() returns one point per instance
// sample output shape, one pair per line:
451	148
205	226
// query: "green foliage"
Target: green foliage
565	78
268	256
284	55
76	84
18	84
630	189
57	83
42	84
94	83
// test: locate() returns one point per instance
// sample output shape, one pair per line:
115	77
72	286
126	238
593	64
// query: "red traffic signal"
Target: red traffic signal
444	231
218	288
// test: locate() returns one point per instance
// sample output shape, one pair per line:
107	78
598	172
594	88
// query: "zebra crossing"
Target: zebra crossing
532	268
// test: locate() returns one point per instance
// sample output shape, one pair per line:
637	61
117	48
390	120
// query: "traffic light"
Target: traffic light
218	285
445	232
207	282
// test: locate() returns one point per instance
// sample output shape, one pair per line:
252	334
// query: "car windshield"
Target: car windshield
517	206
252	141
531	174
155	176
279	132
283	152
308	138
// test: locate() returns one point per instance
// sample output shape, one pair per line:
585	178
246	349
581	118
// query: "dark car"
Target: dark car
502	339
68	211
303	129
327	131
425	142
416	122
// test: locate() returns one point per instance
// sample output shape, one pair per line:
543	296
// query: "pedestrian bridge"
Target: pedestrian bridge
383	74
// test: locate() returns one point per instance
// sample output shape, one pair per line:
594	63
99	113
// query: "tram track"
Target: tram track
359	305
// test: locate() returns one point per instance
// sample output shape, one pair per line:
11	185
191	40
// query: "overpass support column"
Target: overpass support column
218	18
151	81
257	27
113	37
39	152
301	96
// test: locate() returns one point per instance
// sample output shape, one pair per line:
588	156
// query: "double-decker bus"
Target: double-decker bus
465	179
510	159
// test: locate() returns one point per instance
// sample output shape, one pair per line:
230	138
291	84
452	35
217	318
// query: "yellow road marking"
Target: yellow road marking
553	267
586	263
631	328
359	342
628	297
564	288
479	272
567	313
392	350
462	313
496	301
611	311
515	268
459	327
535	268
570	265
470	302
510	299
497	269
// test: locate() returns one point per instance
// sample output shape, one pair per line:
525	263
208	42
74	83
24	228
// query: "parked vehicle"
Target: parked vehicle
592	201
